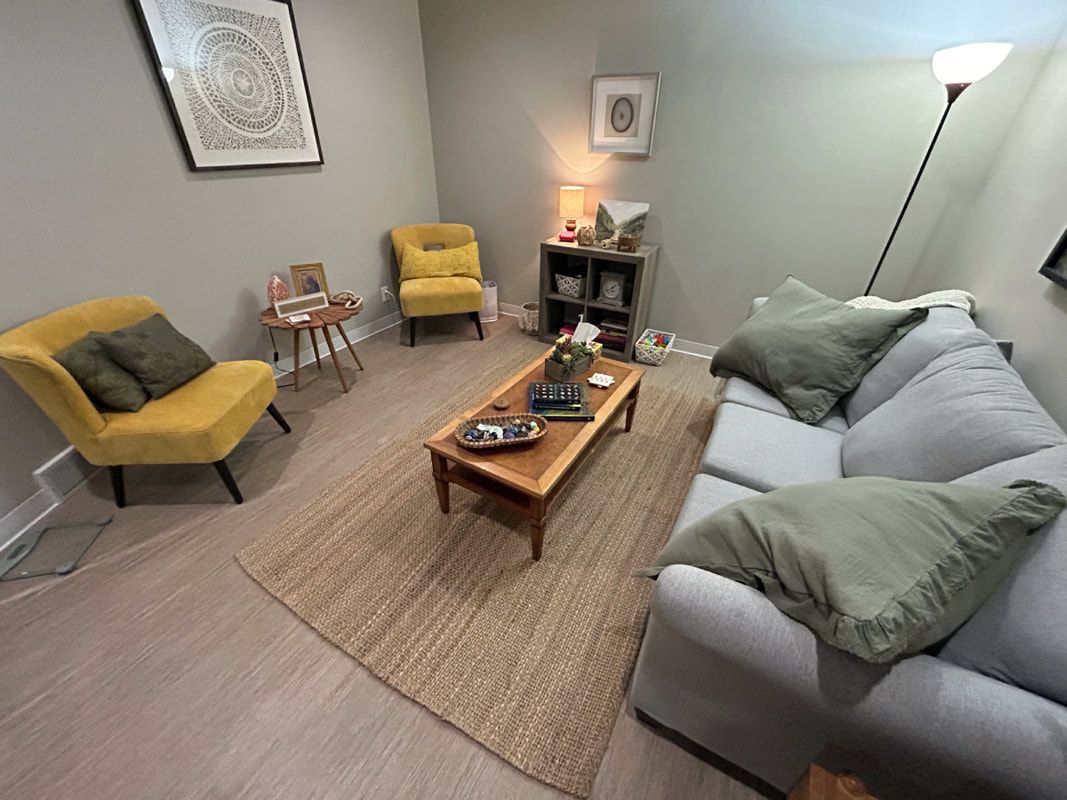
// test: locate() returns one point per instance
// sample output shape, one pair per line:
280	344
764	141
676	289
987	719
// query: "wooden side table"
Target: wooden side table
821	784
321	320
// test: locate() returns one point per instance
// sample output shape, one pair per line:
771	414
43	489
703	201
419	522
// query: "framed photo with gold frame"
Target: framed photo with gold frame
308	279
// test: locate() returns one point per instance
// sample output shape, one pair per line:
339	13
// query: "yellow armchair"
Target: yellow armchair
432	297
197	423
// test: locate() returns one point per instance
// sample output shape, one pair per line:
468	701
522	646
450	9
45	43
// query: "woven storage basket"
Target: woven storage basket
503	419
530	318
570	285
648	353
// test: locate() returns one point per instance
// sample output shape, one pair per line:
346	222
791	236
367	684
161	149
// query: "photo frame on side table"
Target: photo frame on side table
309	278
1055	266
233	76
623	113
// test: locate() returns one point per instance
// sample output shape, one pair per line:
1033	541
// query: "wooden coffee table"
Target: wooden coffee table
528	478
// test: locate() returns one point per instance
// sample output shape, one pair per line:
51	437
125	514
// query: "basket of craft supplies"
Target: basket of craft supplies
653	346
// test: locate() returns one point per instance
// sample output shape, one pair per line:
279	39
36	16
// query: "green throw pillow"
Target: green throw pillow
875	566
159	356
101	378
809	349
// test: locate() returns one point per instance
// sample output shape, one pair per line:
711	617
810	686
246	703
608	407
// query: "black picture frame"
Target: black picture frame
1055	266
157	66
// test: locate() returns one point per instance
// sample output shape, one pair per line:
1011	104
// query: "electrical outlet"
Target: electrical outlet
386	294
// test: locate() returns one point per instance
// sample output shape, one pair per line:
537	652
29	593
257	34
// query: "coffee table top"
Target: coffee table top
537	468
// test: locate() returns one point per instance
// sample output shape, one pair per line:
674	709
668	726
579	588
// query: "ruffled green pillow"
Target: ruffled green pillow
102	379
875	566
155	352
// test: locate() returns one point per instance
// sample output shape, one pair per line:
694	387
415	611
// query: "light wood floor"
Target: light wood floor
158	669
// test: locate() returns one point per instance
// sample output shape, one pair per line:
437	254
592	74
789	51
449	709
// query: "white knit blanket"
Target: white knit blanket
956	298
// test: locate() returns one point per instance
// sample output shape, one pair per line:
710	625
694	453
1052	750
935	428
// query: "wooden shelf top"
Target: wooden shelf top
596	251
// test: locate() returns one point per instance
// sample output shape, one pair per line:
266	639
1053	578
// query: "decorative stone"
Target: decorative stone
276	290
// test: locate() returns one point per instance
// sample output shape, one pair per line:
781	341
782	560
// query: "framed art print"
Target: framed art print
233	76
308	278
623	113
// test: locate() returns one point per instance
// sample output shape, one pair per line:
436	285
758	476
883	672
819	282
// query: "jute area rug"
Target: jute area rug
531	659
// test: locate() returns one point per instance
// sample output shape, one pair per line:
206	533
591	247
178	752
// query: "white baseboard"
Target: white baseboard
25	515
509	309
307	356
698	349
58	477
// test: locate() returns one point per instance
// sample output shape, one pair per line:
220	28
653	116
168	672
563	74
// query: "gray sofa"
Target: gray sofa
984	715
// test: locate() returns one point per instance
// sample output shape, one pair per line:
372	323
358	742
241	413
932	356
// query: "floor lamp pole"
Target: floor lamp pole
954	91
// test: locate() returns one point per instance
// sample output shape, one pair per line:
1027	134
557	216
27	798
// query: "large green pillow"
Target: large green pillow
875	566
159	356
101	378
810	350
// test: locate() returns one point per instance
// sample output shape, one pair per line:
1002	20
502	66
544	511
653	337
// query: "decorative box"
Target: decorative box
570	285
566	372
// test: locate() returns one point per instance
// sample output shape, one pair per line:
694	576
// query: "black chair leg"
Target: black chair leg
118	486
477	323
279	418
231	484
411	330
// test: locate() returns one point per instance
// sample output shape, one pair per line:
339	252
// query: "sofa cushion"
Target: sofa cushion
965	410
100	377
869	564
453	262
940	331
430	297
1019	636
746	393
809	349
764	451
155	352
706	495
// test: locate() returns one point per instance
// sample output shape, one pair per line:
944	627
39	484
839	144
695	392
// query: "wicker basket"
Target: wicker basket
501	420
530	318
570	285
648	353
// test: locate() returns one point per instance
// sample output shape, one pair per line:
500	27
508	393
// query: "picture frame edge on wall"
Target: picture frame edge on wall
593	147
1058	254
156	64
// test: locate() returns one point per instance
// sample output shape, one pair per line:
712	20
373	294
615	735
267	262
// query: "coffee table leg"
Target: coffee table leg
440	467
631	406
537	527
336	362
348	344
296	359
315	346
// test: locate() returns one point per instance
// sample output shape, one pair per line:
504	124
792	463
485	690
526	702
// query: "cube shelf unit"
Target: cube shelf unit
572	259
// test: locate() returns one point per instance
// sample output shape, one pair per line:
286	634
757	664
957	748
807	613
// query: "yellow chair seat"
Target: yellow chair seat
430	297
201	421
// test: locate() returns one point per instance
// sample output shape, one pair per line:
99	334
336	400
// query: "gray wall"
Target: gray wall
1006	233
787	134
97	199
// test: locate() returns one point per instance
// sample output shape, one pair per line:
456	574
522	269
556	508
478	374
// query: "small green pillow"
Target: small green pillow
808	349
159	356
100	377
875	566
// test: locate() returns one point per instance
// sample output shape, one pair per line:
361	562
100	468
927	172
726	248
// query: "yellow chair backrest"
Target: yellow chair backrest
446	234
26	353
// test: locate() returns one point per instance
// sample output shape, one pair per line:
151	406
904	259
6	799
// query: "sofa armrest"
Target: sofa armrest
756	304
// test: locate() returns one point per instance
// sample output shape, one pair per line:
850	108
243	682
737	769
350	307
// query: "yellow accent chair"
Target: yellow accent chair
437	296
200	422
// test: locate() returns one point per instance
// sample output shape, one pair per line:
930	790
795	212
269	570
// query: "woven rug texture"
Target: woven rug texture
530	659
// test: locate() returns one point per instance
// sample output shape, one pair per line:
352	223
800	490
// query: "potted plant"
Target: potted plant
568	358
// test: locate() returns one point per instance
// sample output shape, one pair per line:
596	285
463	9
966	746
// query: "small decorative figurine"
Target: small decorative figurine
276	290
629	242
586	235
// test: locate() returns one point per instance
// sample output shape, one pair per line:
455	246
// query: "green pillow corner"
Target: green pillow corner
100	377
153	350
810	350
875	566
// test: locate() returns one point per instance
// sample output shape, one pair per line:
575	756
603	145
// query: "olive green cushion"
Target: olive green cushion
102	379
874	566
810	350
156	353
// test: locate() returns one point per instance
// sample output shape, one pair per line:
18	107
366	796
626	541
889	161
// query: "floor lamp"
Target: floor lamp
956	68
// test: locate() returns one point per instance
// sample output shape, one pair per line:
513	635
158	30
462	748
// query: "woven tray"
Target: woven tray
500	419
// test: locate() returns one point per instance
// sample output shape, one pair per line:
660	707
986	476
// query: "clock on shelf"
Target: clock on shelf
612	285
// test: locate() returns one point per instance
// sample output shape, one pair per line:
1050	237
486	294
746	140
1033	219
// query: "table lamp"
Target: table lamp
571	206
956	68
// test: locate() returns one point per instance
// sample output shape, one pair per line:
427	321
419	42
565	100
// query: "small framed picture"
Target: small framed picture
308	278
623	113
1055	266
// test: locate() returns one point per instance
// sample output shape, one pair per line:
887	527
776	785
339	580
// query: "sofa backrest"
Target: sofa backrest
1019	635
942	330
965	410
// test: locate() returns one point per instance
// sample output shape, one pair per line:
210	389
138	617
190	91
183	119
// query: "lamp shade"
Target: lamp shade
571	201
969	63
